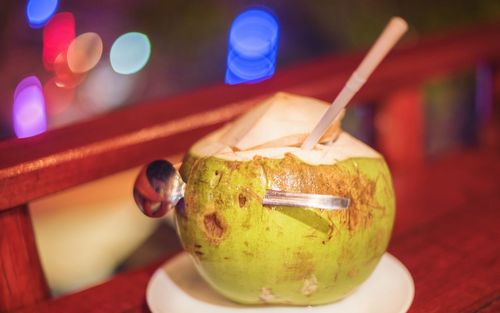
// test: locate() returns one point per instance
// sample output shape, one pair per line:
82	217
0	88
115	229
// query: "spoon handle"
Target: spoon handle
294	199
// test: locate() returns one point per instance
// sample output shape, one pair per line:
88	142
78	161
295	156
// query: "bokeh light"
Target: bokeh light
27	82
39	12
130	52
64	77
28	111
252	48
57	36
84	52
57	99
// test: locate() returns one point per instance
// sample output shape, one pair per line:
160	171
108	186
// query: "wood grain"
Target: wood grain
446	230
22	282
56	160
124	293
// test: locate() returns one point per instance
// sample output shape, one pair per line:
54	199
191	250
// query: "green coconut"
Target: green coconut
255	254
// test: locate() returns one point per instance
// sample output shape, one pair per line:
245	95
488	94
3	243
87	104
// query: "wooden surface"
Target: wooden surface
56	160
21	278
446	233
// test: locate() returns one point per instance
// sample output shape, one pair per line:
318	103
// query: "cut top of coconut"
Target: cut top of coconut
344	147
277	127
280	120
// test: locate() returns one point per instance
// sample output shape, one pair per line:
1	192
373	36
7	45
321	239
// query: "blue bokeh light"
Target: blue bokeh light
253	46
129	53
39	12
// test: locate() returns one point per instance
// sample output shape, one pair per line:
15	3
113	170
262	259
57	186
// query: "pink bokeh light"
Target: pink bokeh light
57	36
28	112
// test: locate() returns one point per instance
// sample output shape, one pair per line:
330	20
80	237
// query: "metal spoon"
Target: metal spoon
159	187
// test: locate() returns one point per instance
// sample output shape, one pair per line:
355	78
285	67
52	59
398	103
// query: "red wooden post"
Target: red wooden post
400	127
22	281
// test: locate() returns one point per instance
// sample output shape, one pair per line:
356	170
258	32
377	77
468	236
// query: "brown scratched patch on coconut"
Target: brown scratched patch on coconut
191	202
248	253
302	265
192	168
242	200
249	193
346	253
293	175
233	165
219	202
377	244
187	166
331	227
353	272
362	193
213	227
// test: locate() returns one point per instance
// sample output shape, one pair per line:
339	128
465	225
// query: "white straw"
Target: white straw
391	34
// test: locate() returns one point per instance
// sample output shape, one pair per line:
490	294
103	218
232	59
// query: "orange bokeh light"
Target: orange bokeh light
84	52
64	77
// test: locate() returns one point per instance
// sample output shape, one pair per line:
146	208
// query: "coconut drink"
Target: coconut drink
255	251
276	254
257	254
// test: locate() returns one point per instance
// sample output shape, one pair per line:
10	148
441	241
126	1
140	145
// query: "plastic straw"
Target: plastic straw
391	34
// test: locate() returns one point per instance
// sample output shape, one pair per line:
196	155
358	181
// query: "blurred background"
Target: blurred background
62	62
184	45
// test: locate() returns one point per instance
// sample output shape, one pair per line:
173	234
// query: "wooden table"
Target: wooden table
446	233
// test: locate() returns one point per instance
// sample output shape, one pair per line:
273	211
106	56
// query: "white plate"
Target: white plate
177	287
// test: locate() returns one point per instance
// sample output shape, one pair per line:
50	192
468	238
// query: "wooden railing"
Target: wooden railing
59	159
